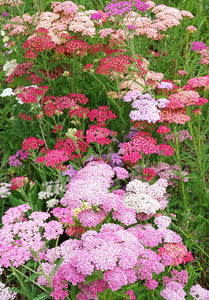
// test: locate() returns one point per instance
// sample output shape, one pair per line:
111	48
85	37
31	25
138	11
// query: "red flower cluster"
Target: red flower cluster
165	150
18	182
120	63
56	105
101	114
37	44
25	117
143	143
148	174
79	111
103	48
73	46
32	94
163	130
32	143
57	127
99	134
20	70
70	148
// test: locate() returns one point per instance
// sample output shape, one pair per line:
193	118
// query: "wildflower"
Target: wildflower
162	221
197	112
131	27
177	115
176	252
15	160
99	134
152	284
4	14
90	218
5	190
139	197
121	172
10	66
148	174
131	295
197	46
101	115
63	214
96	16
54	159
182	72
180	277
199	293
32	143
163	130
17	182
173	290
6	293
165	85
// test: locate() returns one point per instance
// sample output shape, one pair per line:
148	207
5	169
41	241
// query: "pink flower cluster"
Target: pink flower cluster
54	159
91	184
17	182
19	235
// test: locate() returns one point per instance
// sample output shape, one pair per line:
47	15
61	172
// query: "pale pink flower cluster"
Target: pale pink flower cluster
166	17
82	23
64	18
11	2
91	184
18	25
169	172
191	28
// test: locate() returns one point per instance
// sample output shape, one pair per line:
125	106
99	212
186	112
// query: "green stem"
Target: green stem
44	274
14	270
187	236
197	151
178	156
55	249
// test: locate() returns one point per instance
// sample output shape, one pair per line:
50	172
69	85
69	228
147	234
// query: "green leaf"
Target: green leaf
95	276
42	296
32	277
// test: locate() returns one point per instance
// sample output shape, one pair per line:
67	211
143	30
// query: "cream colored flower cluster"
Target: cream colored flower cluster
144	198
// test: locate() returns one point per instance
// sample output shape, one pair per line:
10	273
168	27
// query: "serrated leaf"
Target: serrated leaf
32	277
15	289
42	296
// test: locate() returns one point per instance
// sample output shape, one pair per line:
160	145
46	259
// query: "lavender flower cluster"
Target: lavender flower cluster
146	107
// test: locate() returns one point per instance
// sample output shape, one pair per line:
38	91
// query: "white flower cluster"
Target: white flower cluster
52	189
7	92
144	198
9	67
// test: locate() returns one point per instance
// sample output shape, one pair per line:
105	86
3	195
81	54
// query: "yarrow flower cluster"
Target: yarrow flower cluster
144	198
19	235
17	182
32	143
16	159
146	107
143	143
